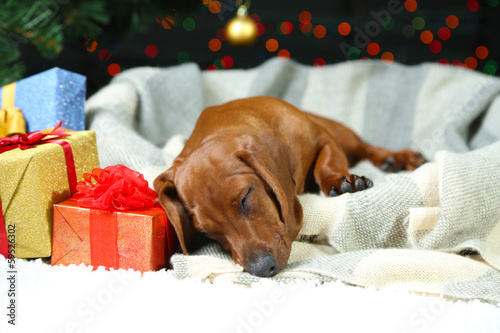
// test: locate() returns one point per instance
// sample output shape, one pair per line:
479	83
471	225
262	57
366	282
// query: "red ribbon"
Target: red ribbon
103	232
30	140
4	242
103	229
114	188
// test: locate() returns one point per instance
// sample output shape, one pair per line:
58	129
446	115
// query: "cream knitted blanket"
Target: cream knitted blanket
434	230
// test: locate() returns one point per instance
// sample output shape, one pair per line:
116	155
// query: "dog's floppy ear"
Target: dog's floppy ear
169	199
273	161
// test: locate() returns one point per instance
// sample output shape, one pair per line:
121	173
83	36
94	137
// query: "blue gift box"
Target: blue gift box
49	96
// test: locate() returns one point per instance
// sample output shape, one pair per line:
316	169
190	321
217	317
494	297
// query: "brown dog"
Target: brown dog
239	174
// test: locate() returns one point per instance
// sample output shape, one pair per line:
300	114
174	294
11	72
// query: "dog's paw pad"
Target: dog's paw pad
332	193
368	182
345	187
388	164
402	160
359	184
350	185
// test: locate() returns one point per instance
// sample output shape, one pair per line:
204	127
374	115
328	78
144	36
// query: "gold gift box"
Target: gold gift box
32	180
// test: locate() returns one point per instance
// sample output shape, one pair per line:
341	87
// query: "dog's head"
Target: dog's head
239	191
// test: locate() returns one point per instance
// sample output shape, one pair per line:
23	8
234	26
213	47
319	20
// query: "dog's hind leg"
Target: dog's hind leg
357	150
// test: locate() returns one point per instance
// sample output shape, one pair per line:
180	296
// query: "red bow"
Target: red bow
116	188
29	140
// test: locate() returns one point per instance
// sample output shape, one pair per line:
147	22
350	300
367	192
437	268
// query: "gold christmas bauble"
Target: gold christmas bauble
241	30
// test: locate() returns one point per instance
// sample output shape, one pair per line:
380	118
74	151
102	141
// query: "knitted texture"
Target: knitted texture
434	230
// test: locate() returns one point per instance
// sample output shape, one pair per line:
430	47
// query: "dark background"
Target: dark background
479	25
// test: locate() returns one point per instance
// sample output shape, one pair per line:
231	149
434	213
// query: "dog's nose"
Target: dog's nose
263	265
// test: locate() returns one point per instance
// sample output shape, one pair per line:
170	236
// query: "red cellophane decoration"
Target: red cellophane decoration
114	188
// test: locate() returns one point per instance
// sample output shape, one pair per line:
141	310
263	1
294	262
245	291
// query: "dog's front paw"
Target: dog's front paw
350	184
402	160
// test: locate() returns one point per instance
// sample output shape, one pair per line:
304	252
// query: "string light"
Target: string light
114	69
452	21
373	49
482	52
272	45
151	51
214	44
387	58
344	28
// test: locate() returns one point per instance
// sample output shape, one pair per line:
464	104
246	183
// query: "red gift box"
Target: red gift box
122	226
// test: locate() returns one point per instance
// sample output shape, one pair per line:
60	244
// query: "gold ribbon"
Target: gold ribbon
11	118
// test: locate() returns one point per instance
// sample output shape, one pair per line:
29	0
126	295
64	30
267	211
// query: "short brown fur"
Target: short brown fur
239	174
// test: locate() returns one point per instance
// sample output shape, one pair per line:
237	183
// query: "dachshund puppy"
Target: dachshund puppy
237	179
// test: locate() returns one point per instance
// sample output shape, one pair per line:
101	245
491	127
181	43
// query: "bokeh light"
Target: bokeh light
410	5
408	31
473	5
306	28
104	54
444	33
435	46
214	44
319	62
151	51
260	29
457	63
490	67
470	63
319	31
214	7
189	24
227	62
168	22
426	37
344	28
452	21
443	61
114	69
387	58
286	28
482	52
418	23
305	17
272	45
91	45
284	54
373	49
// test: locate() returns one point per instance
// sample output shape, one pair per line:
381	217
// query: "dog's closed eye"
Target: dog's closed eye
244	201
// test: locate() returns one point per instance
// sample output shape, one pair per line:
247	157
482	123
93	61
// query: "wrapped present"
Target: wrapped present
11	118
37	170
44	99
113	221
